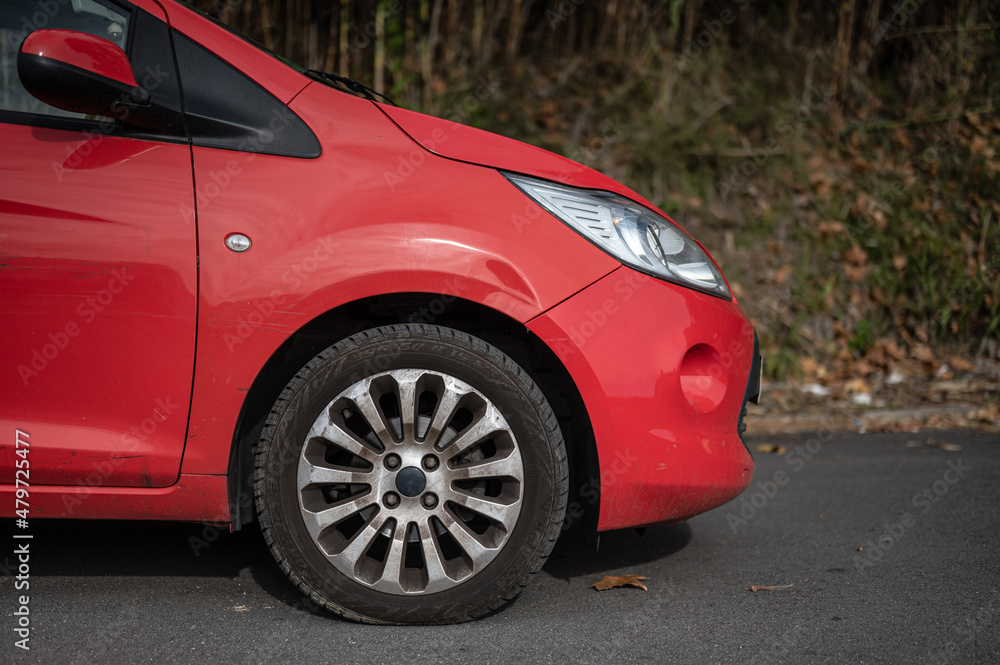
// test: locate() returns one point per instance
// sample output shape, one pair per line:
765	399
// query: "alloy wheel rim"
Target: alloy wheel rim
410	481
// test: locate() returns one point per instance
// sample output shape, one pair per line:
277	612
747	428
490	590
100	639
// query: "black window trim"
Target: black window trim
99	127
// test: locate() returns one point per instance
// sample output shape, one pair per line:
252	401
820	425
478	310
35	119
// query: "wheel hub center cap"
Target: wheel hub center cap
410	481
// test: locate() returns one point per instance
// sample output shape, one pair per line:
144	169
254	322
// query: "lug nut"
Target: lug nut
391	499
429	500
392	461
430	462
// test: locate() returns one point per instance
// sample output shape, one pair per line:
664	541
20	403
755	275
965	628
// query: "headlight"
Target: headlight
633	234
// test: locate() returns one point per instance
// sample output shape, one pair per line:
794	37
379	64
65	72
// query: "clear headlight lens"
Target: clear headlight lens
633	234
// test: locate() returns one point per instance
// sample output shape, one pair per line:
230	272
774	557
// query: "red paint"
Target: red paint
278	78
703	382
81	50
476	146
190	499
397	202
340	229
98	278
623	340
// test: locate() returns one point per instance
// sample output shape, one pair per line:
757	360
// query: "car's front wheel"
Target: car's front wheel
411	474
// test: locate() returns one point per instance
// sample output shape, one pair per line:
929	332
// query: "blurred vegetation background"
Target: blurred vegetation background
838	158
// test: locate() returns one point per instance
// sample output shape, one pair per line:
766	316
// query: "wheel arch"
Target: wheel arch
504	332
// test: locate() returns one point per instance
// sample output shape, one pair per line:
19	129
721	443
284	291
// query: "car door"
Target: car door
98	265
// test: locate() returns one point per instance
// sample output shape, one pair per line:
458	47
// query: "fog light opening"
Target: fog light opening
704	378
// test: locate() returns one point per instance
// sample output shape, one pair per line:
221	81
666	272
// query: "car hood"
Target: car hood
475	146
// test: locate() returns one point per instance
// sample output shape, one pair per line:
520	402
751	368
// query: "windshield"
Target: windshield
242	36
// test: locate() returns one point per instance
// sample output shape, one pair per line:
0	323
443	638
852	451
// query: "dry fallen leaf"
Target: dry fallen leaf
923	353
857	385
771	448
782	274
856	256
830	228
961	364
949	447
988	414
612	581
938	420
756	588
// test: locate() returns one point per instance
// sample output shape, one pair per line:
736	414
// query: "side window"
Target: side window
227	110
19	18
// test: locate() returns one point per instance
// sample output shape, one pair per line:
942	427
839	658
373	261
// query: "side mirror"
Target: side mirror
78	72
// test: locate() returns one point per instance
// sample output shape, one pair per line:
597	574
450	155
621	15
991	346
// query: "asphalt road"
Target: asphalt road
924	587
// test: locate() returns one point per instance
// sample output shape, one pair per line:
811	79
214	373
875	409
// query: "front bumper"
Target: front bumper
665	373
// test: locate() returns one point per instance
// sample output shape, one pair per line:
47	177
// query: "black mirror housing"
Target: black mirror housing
81	73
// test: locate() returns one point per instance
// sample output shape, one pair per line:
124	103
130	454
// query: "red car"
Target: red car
413	351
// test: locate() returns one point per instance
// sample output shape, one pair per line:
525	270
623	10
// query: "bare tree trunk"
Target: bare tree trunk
793	23
514	29
267	25
344	39
689	16
411	51
569	48
492	13
610	13
841	60
429	48
477	32
588	34
333	39
289	49
312	26
451	51
871	35
380	19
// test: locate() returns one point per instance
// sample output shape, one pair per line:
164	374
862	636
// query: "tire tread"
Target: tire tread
425	331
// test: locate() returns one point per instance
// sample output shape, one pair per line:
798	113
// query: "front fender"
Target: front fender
352	224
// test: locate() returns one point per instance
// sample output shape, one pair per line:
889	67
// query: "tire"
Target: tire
411	474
